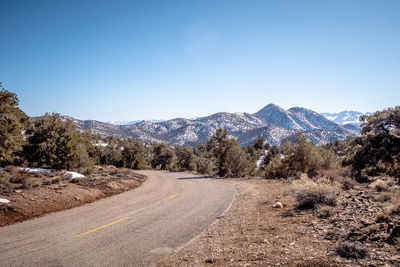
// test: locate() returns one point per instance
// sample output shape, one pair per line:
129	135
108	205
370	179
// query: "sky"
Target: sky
132	60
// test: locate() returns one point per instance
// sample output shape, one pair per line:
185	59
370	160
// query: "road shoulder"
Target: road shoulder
255	232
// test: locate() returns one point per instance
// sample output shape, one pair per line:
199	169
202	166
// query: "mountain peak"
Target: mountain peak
270	107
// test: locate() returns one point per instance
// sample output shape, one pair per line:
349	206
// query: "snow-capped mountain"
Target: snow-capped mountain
129	122
346	117
272	123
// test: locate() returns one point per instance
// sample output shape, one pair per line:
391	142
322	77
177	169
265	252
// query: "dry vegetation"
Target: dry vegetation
32	195
327	221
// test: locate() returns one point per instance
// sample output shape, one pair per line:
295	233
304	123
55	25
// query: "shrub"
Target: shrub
382	218
309	193
19	177
371	229
395	209
384	197
303	156
205	166
46	182
325	212
340	175
379	185
4	181
56	180
276	169
351	251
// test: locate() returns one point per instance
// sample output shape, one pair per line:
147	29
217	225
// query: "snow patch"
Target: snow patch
4	201
74	175
37	170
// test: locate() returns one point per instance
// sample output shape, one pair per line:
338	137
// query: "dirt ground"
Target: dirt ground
254	233
34	195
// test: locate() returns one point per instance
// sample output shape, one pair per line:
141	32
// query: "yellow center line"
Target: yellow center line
101	227
174	196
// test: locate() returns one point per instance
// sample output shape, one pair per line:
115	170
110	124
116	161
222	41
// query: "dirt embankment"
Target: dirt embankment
34	195
255	233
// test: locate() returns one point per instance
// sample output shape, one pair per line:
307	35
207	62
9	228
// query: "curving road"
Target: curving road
135	228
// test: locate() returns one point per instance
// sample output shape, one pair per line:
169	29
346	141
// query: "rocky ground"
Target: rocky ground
32	195
360	230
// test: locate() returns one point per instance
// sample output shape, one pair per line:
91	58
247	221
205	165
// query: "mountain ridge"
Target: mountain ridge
272	123
346	117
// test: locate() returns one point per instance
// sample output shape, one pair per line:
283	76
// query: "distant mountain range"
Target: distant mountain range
129	122
272	123
346	117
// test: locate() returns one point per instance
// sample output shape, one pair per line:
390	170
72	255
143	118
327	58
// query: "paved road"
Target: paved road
135	228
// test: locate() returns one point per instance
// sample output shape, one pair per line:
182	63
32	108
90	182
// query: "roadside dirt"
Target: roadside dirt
254	233
32	195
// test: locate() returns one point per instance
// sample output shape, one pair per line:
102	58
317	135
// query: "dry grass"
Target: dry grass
308	193
379	186
395	209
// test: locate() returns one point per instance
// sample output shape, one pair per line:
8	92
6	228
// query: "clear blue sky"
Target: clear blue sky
129	60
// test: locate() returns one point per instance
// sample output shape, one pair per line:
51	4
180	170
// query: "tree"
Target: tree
378	149
112	152
302	156
237	162
186	159
13	123
230	158
54	142
163	157
305	157
258	144
134	155
218	146
270	153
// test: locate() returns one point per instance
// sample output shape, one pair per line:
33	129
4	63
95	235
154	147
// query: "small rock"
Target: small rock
18	191
278	205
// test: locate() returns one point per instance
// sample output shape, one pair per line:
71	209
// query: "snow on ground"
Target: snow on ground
71	174
101	143
37	170
74	175
5	201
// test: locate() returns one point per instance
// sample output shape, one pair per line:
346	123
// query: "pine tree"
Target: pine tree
186	159
13	123
54	142
134	155
218	146
163	157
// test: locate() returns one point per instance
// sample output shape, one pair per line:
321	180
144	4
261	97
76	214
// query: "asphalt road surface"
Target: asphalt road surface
135	228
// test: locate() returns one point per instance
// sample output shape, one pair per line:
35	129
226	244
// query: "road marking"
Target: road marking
174	196
101	227
183	186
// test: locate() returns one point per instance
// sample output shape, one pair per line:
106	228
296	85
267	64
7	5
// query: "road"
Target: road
135	228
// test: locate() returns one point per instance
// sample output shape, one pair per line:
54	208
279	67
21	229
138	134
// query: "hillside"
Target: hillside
272	123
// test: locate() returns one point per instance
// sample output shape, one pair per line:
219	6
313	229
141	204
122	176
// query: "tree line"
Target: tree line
52	141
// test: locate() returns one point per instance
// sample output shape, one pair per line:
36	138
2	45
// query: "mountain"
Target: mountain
129	122
346	117
272	123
